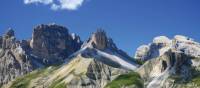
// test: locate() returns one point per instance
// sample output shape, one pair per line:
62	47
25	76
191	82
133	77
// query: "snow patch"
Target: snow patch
121	61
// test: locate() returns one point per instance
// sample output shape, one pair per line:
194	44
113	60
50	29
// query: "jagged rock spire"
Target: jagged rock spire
99	39
8	39
10	32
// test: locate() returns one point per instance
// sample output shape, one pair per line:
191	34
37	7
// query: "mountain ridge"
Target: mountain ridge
54	58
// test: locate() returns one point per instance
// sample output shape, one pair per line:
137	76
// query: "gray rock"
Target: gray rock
170	65
1	41
13	59
53	43
99	39
162	44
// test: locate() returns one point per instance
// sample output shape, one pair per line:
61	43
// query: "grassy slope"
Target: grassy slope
76	65
126	80
23	82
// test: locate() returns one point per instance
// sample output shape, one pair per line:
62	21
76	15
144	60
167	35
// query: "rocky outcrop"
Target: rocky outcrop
172	64
162	44
142	52
8	39
175	63
13	60
99	39
53	43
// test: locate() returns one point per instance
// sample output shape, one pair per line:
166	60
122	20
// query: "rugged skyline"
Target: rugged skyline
136	22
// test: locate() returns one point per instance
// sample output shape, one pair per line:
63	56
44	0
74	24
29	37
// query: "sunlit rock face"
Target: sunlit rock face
162	44
187	45
171	65
168	60
99	39
142	52
53	43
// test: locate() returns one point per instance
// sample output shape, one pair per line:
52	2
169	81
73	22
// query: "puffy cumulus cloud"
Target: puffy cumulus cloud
58	4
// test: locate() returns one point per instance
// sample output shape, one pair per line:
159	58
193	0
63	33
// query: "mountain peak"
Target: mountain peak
161	40
10	32
99	39
162	44
53	42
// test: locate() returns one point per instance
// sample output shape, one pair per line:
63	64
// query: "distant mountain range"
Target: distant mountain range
54	58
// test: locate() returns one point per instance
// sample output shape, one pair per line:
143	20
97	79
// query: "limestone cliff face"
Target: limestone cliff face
99	39
53	43
162	44
169	63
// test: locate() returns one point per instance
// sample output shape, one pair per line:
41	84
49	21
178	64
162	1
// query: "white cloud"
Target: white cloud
38	1
60	5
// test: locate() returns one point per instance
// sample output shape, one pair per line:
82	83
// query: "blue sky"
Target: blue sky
129	22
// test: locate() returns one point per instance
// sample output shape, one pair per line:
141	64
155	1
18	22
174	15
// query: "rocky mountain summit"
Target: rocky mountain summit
53	43
96	64
50	44
162	44
170	63
54	58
